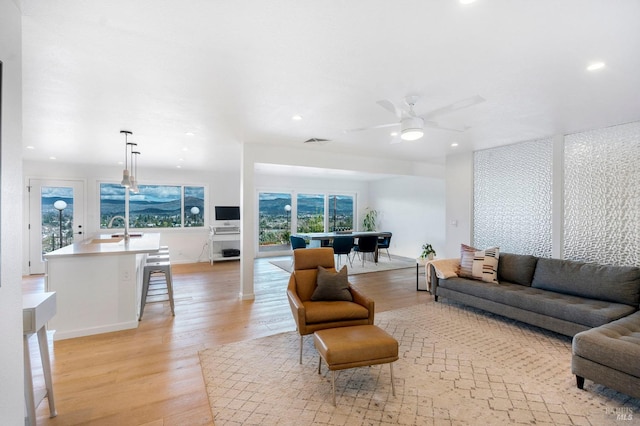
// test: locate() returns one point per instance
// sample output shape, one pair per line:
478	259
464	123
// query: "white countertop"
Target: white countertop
106	244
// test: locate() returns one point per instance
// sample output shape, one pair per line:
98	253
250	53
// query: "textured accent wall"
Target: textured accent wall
512	198
602	195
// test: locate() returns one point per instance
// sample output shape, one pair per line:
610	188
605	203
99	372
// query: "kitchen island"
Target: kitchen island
98	283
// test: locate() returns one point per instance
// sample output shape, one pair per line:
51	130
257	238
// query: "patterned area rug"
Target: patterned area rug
384	264
457	366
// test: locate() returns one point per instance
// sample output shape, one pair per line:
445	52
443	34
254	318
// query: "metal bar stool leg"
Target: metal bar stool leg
169	279
145	290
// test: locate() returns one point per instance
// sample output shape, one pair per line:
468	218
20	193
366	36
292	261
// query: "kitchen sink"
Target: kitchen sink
111	240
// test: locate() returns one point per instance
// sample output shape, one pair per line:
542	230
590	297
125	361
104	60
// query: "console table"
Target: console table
37	309
218	237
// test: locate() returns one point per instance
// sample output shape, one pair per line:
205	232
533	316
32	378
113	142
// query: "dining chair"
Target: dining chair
384	243
296	243
343	246
367	244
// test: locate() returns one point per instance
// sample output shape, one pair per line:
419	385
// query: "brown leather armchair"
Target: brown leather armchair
311	315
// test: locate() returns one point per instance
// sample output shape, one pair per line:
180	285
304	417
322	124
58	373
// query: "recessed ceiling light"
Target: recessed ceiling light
30	147
52	158
466	1
595	66
185	149
394	133
297	117
178	166
454	144
190	134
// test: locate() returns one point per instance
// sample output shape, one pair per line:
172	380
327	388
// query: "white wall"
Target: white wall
11	373
186	245
413	209
459	190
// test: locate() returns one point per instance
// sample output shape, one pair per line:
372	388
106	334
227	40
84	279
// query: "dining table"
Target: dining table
324	239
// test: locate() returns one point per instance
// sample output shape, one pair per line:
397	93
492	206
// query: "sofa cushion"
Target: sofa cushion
516	268
619	284
615	345
578	310
332	285
479	264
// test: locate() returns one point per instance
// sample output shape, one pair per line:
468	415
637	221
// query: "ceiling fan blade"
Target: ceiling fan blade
434	125
464	103
379	126
391	107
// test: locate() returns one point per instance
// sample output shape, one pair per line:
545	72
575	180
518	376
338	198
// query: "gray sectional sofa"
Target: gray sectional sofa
598	304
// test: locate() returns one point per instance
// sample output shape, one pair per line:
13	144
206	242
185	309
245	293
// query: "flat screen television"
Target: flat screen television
227	213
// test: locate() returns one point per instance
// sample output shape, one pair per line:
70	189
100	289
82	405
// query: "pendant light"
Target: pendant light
134	168
126	181
132	178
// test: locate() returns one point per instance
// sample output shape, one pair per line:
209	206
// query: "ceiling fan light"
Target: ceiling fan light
412	134
412	129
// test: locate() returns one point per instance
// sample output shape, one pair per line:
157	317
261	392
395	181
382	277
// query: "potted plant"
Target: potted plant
369	220
427	252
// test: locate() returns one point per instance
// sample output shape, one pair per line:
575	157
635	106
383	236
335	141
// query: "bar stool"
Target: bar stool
162	251
157	258
151	269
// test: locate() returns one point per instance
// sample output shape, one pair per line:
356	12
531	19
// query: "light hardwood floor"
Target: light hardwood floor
151	375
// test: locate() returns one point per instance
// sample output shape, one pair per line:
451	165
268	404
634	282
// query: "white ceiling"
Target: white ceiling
234	71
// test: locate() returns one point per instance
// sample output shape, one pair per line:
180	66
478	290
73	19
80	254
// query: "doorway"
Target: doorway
56	218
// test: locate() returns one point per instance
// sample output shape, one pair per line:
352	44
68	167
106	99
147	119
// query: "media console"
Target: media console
224	242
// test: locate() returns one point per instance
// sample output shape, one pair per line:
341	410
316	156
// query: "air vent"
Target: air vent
318	141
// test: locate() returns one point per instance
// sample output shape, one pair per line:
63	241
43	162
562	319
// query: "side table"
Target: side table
420	262
37	309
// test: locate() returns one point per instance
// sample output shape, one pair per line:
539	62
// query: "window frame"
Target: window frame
294	208
204	209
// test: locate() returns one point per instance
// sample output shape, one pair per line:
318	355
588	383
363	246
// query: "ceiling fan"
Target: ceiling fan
412	125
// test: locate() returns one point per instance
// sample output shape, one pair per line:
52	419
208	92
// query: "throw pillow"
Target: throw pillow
479	264
332	286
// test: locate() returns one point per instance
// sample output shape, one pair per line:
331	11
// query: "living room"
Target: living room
425	193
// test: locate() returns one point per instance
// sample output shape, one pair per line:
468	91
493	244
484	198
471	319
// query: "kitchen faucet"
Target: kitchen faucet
126	226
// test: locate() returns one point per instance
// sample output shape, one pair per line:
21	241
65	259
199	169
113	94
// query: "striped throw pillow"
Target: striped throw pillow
479	264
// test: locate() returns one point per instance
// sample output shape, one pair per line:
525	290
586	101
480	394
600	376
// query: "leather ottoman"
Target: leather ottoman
355	346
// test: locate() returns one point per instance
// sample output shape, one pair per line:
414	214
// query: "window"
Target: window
278	217
274	218
340	213
155	206
310	212
193	206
